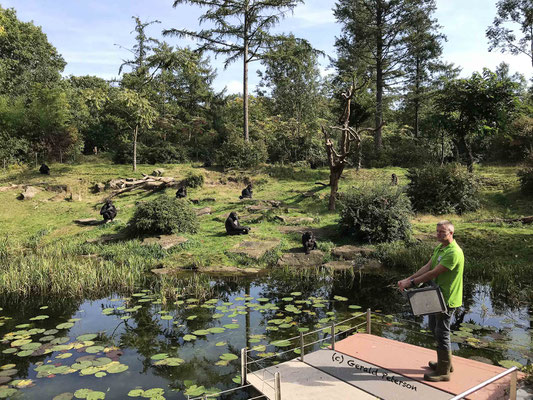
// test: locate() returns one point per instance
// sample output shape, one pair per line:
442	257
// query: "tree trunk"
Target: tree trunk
245	77
417	96
135	132
334	176
379	78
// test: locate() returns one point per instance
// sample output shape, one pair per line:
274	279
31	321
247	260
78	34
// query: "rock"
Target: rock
112	237
158	172
313	259
274	203
57	197
254	249
89	221
372	264
57	188
203	211
116	184
339	265
350	252
165	241
252	218
98	187
28	193
258	208
294	220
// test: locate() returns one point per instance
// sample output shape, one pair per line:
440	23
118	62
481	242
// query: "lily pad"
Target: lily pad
64	396
154	392
94	349
231	326
65	325
135	393
117	368
188	338
160	356
281	343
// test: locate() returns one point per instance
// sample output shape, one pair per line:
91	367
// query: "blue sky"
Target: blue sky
87	33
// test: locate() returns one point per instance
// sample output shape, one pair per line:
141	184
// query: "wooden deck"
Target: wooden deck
365	366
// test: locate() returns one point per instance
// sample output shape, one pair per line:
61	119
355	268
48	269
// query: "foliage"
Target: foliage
235	152
501	36
194	180
403	255
26	56
526	180
443	189
164	215
162	153
376	214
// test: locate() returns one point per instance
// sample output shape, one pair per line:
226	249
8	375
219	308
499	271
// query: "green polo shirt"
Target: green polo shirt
451	281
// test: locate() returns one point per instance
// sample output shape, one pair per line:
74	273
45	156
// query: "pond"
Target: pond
143	346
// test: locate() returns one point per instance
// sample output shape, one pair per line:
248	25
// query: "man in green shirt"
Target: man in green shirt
445	268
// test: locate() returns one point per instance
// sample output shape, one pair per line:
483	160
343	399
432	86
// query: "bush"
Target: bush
526	180
380	214
164	215
123	153
194	180
236	153
164	153
440	190
405	256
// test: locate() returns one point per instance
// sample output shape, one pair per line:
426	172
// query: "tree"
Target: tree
502	36
476	107
26	56
337	160
373	42
423	52
240	31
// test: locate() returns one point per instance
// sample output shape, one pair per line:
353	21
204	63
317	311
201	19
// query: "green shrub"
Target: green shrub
237	153
164	153
526	180
440	190
194	180
405	256
378	214
164	215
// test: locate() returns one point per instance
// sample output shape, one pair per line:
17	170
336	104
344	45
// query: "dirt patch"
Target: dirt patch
312	259
165	241
254	249
350	252
320	233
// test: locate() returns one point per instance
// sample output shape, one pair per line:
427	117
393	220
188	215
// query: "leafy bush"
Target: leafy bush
379	214
164	153
405	256
194	180
440	190
123	153
164	215
526	180
236	153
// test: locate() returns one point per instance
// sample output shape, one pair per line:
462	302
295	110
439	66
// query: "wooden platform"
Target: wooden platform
365	366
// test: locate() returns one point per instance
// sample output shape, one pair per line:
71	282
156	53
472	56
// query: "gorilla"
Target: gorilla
45	170
108	211
246	192
394	179
233	227
182	192
309	242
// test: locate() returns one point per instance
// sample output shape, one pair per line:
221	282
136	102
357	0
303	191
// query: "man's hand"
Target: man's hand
404	284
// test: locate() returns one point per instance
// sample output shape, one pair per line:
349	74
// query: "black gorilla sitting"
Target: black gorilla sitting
309	242
233	227
246	192
108	211
182	192
394	179
45	170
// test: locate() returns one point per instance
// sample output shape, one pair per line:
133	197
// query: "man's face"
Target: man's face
443	234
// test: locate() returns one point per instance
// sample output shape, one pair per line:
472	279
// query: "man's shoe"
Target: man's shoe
443	366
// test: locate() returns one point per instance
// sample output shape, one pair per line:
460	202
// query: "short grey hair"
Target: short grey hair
447	224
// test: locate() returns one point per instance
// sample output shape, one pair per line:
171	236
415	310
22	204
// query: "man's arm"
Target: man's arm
421	278
404	283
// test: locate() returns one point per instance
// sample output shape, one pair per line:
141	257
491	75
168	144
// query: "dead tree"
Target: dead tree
337	160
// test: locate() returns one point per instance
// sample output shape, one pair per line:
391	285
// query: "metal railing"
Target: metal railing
512	392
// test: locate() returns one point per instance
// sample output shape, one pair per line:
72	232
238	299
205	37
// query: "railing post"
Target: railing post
301	346
277	386
333	336
243	366
512	391
368	322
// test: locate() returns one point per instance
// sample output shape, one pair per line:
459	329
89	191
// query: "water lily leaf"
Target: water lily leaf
288	299
89	371
65	325
216	330
117	368
260	347
510	363
64	396
354	307
190	318
153	392
64	355
47	338
340	298
160	356
25	353
94	349
281	343
194	391
22	326
296	293
60	340
31	346
201	332
231	326
87	336
39	317
82	393
166	317
220	344
136	393
188	338
303	330
9	372
8	366
237	379
95	395
20	342
217	315
7	392
228	357
261	300
50	332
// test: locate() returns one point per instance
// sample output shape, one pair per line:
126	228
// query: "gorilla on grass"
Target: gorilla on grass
45	170
246	192
309	242
233	227
108	211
